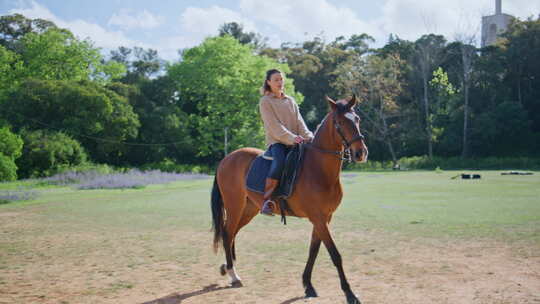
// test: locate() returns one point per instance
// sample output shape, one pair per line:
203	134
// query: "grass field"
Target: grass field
405	237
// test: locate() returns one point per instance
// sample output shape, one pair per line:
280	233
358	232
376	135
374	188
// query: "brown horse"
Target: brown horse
317	193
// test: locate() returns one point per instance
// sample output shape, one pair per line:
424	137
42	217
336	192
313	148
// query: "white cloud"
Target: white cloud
206	21
296	19
129	19
83	29
410	19
168	47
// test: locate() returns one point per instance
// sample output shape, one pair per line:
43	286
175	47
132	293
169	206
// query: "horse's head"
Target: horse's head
347	126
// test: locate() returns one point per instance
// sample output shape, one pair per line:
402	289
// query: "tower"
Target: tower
494	25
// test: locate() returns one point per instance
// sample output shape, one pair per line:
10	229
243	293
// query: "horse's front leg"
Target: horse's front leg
324	234
313	252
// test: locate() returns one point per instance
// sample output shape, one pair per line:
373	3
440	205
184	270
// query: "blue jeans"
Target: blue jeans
278	152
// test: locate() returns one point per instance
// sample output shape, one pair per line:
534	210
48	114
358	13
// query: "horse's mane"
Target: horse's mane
341	108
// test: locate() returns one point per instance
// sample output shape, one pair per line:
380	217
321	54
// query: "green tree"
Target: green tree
141	64
96	116
218	86
10	71
442	104
10	150
46	152
58	55
313	67
520	45
428	56
377	82
236	30
165	128
14	27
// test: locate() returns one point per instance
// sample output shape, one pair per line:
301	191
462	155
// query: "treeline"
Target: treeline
64	104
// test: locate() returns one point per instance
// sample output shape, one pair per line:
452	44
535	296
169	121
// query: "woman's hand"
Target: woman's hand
299	139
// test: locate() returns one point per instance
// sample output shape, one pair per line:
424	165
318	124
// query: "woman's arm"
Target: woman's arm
302	128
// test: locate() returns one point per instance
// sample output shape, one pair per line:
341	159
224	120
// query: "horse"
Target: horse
318	191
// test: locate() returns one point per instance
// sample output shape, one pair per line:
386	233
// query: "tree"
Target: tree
236	30
10	150
10	71
165	127
140	63
14	27
428	55
97	117
58	55
520	45
377	81
46	153
465	47
313	66
442	104
218	86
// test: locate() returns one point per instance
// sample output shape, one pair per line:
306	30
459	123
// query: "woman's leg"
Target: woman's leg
278	152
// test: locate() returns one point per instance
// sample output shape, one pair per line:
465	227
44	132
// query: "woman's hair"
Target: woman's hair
266	88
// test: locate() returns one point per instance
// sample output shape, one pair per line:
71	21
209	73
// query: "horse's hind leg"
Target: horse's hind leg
232	227
234	204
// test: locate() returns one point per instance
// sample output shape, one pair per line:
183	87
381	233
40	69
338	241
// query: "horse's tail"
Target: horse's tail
217	214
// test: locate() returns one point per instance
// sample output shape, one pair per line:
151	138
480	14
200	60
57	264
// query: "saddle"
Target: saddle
260	166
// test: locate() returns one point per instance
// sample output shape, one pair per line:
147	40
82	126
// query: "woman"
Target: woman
284	127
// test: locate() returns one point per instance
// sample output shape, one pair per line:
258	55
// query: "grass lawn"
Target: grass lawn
137	245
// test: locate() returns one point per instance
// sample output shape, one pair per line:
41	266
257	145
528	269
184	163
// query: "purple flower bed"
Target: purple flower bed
130	179
7	196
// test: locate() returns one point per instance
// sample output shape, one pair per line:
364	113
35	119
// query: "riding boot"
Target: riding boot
271	185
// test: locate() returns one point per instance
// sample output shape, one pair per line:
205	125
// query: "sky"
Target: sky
170	25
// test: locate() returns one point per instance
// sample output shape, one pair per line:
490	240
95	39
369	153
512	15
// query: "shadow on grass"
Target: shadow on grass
177	298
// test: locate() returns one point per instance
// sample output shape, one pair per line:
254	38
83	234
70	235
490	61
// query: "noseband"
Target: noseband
344	140
346	154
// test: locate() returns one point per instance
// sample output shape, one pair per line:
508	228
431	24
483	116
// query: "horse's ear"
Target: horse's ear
332	103
352	101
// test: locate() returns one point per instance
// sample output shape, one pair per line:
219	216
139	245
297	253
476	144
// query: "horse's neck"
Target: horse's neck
325	139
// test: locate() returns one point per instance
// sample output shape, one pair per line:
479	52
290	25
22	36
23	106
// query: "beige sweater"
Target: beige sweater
282	120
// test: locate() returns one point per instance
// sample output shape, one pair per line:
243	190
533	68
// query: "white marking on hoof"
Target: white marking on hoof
235	279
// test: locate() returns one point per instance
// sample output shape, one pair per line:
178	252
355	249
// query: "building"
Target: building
494	25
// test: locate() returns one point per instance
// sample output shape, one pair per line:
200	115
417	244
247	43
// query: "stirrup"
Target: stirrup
267	208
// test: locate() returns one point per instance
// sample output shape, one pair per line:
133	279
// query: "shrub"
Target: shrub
46	153
133	179
452	163
10	149
8	169
107	179
7	196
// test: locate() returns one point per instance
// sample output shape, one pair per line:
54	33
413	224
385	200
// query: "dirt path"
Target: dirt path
137	270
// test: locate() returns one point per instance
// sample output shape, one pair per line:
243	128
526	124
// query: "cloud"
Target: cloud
128	19
207	21
83	29
410	19
296	19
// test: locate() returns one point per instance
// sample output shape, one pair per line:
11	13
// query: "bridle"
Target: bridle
346	153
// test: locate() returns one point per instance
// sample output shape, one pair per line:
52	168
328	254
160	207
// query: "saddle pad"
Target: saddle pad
258	171
260	167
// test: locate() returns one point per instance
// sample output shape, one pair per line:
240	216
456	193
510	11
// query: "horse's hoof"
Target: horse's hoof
237	284
352	299
223	269
311	293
